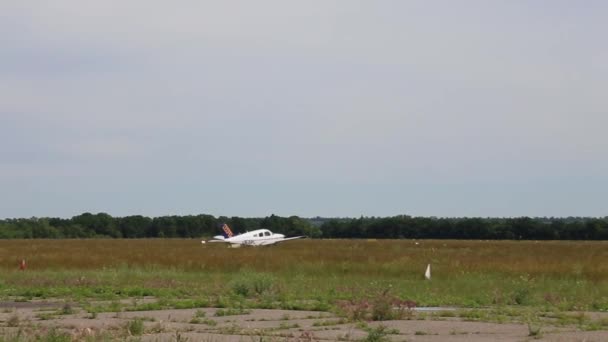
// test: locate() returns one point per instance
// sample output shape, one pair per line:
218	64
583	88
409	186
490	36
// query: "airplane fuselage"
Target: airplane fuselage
259	237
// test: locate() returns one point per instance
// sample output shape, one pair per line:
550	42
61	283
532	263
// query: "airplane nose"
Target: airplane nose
281	236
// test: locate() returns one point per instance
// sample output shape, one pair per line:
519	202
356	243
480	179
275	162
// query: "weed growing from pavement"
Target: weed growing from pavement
377	334
135	327
379	307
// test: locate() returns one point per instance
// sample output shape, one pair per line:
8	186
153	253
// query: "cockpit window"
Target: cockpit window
267	233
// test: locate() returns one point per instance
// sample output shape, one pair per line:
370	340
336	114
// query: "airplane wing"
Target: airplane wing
291	238
218	238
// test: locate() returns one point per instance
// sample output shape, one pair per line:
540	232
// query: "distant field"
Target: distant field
312	274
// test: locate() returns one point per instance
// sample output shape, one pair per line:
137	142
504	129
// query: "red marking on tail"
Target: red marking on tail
227	230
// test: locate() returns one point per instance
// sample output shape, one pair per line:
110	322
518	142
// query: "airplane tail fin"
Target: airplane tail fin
227	232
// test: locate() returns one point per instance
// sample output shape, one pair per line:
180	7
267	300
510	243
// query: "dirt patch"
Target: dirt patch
30	305
212	324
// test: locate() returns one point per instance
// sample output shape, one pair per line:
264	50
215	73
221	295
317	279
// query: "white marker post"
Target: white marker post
427	273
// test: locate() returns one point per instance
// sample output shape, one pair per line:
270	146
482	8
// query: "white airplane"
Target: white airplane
259	237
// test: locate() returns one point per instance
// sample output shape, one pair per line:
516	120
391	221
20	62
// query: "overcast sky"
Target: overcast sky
329	108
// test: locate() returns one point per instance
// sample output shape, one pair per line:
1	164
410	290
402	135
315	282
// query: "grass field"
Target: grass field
311	274
158	289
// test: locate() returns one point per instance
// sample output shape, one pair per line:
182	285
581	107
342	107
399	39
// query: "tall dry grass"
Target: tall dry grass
449	258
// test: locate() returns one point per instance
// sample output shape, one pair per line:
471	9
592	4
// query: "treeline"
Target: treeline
102	225
521	228
90	225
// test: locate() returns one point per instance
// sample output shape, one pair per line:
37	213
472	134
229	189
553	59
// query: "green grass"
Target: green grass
312	291
378	334
135	327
